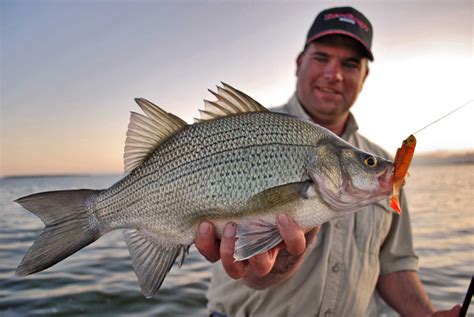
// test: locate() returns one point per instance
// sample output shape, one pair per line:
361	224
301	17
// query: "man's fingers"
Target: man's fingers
311	235
292	235
262	264
206	242
234	269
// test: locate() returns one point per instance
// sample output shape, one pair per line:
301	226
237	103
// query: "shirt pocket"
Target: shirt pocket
371	226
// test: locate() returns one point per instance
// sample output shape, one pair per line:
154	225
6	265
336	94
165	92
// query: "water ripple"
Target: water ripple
99	280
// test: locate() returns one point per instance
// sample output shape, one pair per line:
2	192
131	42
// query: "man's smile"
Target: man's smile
328	91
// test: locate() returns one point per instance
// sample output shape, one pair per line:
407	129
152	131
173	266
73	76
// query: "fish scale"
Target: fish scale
238	163
172	172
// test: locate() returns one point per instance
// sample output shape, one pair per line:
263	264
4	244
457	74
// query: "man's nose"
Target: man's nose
333	72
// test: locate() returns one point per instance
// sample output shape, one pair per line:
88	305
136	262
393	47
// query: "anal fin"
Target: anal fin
151	260
255	237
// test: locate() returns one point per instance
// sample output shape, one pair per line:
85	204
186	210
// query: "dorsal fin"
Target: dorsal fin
145	132
229	101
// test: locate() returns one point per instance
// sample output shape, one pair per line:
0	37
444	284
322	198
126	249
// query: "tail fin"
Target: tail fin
69	227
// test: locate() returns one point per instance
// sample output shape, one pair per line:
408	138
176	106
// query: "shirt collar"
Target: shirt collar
296	109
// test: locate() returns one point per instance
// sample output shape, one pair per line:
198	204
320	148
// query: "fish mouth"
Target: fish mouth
349	198
385	179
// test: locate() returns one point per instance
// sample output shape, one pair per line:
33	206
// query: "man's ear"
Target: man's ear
299	60
365	77
366	71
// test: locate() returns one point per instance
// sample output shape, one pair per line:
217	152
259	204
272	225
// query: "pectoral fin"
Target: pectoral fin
151	260
280	195
255	237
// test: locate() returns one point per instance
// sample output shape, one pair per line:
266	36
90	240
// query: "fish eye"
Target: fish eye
370	161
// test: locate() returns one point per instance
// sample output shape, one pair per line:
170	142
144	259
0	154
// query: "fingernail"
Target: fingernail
204	229
283	220
229	230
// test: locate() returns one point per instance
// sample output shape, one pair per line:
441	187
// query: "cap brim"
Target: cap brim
341	32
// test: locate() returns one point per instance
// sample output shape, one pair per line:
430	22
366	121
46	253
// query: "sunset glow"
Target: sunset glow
70	71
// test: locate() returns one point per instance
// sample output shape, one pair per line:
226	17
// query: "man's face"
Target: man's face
330	77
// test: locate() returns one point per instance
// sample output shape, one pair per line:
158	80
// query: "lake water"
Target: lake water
99	279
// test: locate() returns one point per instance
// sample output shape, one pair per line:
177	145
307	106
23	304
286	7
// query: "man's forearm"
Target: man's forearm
405	293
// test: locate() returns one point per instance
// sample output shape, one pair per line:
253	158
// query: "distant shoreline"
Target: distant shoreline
444	158
464	157
58	175
435	162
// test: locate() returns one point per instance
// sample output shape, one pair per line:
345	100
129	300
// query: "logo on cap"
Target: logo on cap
347	17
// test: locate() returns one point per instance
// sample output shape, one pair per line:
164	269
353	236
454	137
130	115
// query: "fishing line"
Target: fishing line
451	112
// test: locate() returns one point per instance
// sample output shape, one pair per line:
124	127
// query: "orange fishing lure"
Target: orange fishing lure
402	161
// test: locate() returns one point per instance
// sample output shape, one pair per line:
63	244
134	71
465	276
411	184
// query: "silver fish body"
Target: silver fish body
209	171
245	166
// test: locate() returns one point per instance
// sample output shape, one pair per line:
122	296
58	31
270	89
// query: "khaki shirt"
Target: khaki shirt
341	268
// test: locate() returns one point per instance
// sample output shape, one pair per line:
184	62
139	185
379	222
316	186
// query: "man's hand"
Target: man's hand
404	291
453	312
262	270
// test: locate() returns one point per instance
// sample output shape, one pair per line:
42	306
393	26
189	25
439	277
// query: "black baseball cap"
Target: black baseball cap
345	21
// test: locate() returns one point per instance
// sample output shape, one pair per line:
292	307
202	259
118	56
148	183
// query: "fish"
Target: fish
238	162
402	162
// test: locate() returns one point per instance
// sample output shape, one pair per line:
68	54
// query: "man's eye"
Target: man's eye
320	59
351	65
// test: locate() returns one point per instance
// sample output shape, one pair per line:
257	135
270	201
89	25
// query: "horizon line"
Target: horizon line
429	157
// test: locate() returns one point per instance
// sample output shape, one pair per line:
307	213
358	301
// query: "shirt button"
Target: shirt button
338	225
336	267
328	313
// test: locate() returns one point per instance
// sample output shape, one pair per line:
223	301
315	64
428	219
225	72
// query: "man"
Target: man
334	269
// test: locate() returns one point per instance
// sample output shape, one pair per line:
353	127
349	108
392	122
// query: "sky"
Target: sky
71	69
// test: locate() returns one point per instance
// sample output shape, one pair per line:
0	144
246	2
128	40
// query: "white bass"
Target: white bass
239	162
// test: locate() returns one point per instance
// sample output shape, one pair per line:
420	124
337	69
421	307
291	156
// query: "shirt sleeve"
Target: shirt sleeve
397	252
